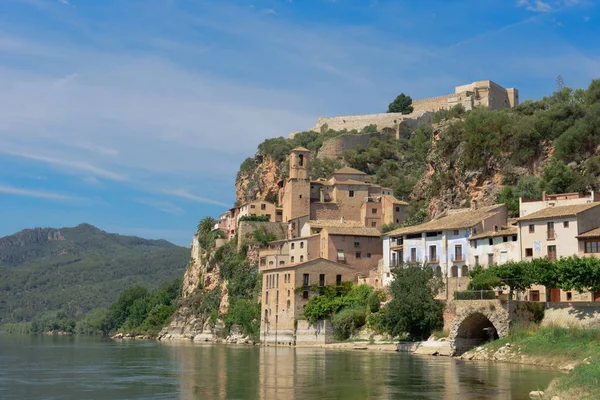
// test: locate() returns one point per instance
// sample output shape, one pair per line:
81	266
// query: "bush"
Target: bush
373	302
347	322
254	218
246	314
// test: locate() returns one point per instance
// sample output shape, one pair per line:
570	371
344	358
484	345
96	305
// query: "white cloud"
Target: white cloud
41	194
270	11
164	206
199	199
534	5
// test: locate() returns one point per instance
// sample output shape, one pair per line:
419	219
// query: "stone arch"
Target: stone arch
464	270
477	324
438	271
454	271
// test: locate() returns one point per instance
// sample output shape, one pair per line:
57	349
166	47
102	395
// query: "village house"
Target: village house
259	208
556	232
529	206
495	247
346	193
287	289
442	244
227	222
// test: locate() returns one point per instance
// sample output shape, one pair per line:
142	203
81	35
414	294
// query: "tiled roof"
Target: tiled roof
323	223
594	233
559	211
323	261
503	232
353	182
465	219
348	171
356	231
300	149
394	200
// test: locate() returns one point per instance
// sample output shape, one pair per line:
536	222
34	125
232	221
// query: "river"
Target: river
59	367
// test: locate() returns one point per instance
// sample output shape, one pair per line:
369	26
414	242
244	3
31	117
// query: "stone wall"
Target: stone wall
246	231
313	335
332	148
583	315
396	121
432	103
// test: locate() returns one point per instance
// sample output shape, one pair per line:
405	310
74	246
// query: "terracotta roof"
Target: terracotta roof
353	182
349	230
558	211
394	200
319	260
594	233
348	171
301	149
322	223
503	232
465	219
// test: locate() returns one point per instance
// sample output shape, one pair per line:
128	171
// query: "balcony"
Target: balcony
432	260
415	260
459	258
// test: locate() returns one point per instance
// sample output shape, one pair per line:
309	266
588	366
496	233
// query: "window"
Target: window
358	254
292	259
281	262
374	224
505	239
277	281
551	253
321	279
490	259
476	260
551	233
491	241
368	255
340	255
301	160
529	252
305	280
474	243
289	292
373	211
277	297
300	196
301	258
252	206
267	298
432	253
270	262
292	245
356	243
514	238
263	206
566	224
458	252
305	294
263	261
350	193
592	246
531	228
338	280
301	245
288	305
455	232
569	296
397	209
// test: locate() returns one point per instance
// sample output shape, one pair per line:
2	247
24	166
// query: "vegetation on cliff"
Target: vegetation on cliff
63	274
401	104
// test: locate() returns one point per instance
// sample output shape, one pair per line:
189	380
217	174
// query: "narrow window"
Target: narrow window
531	228
358	254
505	239
263	206
338	280
301	258
514	238
566	224
350	193
476	260
322	280
305	294
301	160
292	259
277	281
301	245
356	243
491	241
397	209
305	280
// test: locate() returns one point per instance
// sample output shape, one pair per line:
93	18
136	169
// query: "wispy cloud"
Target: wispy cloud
534	5
187	195
40	194
164	206
269	11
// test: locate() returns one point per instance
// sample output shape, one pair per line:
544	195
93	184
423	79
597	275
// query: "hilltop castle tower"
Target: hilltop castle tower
296	192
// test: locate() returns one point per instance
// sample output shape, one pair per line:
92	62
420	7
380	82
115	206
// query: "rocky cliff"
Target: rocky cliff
261	182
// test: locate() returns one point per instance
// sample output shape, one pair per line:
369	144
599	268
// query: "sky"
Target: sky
135	115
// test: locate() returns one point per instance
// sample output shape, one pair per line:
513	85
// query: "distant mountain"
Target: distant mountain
78	269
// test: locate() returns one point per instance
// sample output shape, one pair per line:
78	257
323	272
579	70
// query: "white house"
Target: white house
493	248
443	243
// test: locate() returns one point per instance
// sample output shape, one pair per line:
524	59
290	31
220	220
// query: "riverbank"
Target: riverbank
575	351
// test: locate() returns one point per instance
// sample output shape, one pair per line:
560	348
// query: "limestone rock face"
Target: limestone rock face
260	184
191	278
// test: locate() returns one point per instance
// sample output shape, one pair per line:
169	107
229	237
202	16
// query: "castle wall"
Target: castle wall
333	147
396	121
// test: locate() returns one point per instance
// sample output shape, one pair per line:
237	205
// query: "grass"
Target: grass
565	346
438	334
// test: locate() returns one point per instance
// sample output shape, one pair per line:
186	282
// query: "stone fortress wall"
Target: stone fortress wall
484	93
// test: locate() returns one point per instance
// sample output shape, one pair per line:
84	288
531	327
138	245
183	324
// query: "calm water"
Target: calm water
46	367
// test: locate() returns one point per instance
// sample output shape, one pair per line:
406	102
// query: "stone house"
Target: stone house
442	244
227	222
287	289
347	193
556	232
529	206
496	247
259	208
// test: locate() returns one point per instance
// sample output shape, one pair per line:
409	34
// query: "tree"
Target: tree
206	225
402	104
413	308
560	178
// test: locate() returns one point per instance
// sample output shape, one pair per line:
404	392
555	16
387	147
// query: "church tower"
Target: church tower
296	195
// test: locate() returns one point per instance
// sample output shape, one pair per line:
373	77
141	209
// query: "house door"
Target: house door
554	295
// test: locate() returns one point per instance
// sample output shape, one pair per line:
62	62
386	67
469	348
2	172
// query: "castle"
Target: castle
476	94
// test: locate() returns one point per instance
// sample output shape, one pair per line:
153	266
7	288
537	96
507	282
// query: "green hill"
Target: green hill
78	269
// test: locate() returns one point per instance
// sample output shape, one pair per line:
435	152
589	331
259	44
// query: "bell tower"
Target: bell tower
296	193
300	163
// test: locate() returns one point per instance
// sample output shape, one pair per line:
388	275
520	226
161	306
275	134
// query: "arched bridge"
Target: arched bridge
474	322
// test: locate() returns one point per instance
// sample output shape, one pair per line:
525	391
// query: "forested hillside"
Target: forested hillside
75	270
552	145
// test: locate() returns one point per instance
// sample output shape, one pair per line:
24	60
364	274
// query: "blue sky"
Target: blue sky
135	115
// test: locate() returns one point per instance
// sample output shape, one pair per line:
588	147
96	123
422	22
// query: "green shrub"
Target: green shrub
246	314
373	302
347	322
